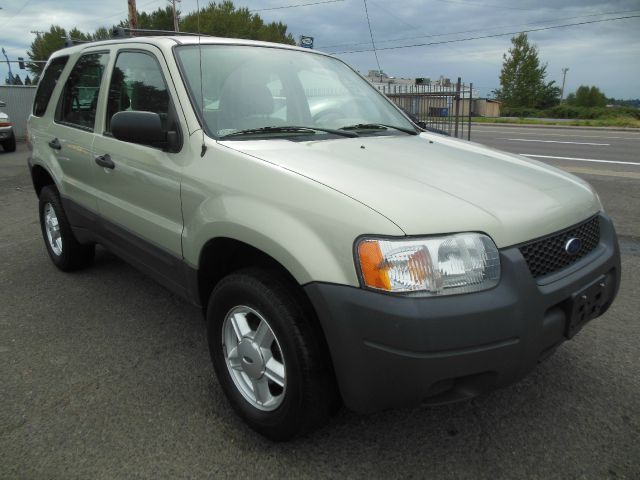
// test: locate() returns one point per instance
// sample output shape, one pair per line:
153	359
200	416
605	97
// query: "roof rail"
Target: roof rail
123	32
70	42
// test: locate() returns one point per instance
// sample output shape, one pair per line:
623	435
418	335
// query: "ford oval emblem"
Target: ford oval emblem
573	246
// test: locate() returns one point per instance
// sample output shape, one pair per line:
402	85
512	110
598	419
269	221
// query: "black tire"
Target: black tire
74	255
9	145
310	396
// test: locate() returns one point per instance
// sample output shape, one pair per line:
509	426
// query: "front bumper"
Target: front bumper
392	351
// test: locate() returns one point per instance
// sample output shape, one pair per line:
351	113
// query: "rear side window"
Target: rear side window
47	84
79	99
137	84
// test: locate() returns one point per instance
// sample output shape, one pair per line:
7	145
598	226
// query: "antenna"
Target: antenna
204	147
373	43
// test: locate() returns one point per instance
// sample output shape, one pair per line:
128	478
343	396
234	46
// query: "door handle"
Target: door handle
55	144
105	161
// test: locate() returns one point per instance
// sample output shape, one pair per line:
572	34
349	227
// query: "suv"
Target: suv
340	254
7	136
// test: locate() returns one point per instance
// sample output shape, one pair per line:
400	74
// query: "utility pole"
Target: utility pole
133	14
176	27
564	77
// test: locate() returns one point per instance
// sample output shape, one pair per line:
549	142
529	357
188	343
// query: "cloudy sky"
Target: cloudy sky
605	54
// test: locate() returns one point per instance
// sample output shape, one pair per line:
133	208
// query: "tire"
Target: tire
9	145
308	396
65	251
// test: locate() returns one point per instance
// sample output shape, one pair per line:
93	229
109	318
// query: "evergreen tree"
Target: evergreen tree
43	46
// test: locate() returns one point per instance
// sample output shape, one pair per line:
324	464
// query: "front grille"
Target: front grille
548	255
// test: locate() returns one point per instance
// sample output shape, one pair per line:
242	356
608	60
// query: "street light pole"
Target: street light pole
564	77
9	64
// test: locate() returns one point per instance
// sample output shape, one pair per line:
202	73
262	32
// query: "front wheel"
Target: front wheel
268	356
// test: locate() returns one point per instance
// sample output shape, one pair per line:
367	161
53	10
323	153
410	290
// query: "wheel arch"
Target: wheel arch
221	256
41	177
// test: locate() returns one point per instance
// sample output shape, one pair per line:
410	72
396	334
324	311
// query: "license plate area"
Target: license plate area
588	304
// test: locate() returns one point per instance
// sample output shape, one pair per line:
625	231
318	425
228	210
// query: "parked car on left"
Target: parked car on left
7	136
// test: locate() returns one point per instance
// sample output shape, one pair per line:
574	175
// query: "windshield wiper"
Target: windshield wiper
378	126
288	129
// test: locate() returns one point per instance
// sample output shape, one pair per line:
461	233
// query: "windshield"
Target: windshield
250	88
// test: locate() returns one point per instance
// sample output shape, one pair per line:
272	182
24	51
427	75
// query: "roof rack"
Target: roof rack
123	32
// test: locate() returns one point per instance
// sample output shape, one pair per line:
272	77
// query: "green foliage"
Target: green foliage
225	20
219	19
43	46
522	79
587	97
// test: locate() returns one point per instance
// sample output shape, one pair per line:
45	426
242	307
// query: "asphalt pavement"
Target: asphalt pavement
104	374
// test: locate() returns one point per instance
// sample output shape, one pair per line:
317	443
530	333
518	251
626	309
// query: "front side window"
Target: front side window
137	84
242	88
47	84
79	100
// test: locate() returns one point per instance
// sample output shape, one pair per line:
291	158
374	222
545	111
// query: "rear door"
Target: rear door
139	195
70	136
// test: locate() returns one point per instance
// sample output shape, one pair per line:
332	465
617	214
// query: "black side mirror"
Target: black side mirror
422	125
144	128
2	104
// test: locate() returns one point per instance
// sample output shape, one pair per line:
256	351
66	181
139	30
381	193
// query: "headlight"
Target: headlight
447	265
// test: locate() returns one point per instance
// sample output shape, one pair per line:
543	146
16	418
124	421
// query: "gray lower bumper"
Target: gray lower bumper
391	351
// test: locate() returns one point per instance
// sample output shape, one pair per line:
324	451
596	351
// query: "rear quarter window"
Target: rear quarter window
47	84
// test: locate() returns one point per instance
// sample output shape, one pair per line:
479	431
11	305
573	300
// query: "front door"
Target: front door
139	189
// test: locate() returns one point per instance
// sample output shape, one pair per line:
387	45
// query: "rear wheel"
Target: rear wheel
267	354
64	250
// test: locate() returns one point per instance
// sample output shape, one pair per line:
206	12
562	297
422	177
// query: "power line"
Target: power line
296	5
397	39
17	13
373	43
484	5
489	36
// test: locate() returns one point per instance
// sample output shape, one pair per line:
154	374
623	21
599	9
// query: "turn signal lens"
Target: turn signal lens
460	263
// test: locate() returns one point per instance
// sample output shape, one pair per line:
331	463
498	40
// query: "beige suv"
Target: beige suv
341	255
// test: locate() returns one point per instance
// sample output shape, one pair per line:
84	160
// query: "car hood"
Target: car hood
429	183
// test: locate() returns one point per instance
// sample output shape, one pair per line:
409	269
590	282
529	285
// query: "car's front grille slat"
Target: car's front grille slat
548	255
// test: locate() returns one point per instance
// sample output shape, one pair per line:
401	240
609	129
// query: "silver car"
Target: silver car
7	137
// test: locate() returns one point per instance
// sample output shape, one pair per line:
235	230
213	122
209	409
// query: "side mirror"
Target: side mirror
422	125
144	128
2	104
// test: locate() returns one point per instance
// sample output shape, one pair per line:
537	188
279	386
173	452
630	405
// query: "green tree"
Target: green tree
522	79
219	19
43	46
587	97
17	80
225	20
27	80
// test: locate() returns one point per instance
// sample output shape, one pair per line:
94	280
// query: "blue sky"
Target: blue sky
604	54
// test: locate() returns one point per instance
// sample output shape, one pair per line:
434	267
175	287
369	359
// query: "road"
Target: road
104	374
569	148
